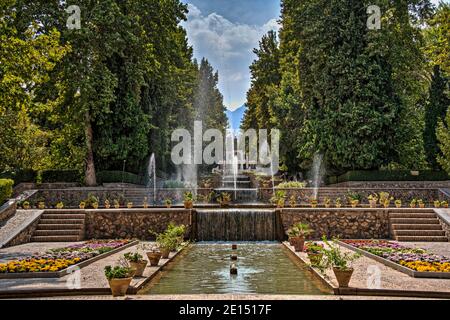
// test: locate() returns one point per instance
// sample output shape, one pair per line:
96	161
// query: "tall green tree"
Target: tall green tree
438	104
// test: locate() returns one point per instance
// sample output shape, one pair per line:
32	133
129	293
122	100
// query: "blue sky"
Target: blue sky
225	32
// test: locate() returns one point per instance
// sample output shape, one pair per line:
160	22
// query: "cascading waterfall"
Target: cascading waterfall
237	225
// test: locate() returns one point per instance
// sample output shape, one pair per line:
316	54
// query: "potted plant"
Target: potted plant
145	203
327	202
387	202
279	199
92	201
119	278
26	205
314	202
421	203
82	205
413	203
293	201
384	196
354	203
116	204
168	203
41	205
129	205
224	199
60	205
444	204
188	200
398	203
315	252
298	232
335	258
437	204
137	262
338	202
95	205
373	199
107	204
154	256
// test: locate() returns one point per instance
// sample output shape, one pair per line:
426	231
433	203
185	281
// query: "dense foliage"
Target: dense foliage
6	189
354	95
94	97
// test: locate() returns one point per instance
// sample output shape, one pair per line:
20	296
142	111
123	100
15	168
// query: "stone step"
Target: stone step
63	216
39	233
55	239
438	233
414	221
62	221
59	226
421	239
411	215
416	227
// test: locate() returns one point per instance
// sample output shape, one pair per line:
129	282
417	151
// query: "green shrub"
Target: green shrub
52	176
118	177
6	189
389	176
291	185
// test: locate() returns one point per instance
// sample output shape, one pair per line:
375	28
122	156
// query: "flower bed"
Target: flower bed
59	259
415	259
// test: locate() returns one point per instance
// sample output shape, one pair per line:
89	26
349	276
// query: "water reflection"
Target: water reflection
263	268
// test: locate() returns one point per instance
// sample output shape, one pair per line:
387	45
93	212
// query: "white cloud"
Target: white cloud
229	48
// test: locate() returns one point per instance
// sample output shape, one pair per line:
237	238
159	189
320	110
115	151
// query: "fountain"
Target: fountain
317	173
151	171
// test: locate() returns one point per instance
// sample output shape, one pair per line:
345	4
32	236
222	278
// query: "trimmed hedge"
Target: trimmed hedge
52	176
118	177
389	176
6	189
19	176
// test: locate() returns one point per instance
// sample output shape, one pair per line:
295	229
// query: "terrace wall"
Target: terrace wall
7	210
344	223
133	223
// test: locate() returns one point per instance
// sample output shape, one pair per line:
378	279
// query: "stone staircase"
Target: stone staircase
417	225
60	226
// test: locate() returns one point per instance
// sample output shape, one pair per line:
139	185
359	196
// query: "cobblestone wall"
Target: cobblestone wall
7	210
343	223
134	223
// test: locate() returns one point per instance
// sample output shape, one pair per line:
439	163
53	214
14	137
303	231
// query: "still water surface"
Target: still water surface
263	268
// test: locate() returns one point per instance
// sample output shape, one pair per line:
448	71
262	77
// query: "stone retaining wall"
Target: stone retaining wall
133	223
406	195
392	184
7	210
24	236
342	223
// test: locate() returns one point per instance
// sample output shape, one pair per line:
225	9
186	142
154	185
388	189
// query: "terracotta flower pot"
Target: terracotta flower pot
154	258
95	206
107	206
292	241
165	253
343	276
188	204
315	258
299	244
119	287
139	266
422	205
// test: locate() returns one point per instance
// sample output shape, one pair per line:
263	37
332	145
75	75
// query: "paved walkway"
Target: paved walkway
91	276
367	271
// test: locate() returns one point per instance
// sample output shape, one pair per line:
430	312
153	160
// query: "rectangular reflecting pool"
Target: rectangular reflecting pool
263	268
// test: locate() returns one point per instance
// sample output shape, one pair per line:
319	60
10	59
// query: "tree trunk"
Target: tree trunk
90	178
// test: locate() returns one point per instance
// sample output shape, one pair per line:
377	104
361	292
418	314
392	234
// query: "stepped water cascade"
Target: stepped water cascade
237	225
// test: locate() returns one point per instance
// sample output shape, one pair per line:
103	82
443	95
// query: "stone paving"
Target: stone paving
366	270
91	276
